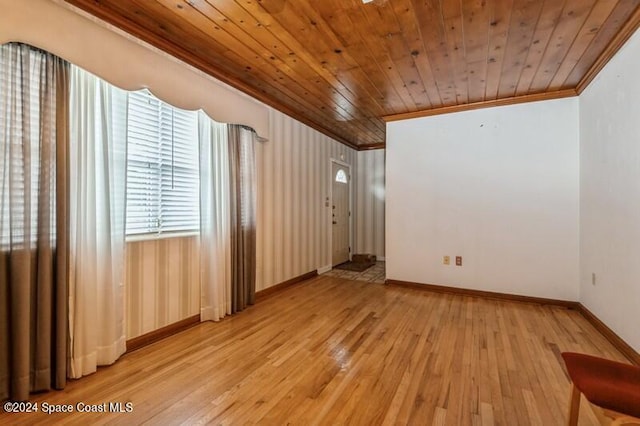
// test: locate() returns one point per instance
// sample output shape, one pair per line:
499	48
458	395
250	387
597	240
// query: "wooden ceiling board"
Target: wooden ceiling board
454	39
323	39
345	68
524	19
412	35
391	94
336	55
573	16
228	34
387	38
497	40
326	74
598	14
431	25
476	24
549	15
611	36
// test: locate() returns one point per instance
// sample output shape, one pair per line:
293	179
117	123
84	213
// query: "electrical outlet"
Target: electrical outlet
593	278
458	260
446	260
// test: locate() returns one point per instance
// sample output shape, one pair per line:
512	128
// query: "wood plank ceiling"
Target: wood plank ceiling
343	67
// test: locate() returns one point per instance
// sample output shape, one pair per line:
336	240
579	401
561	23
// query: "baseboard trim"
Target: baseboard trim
268	292
486	294
623	347
171	329
324	269
161	333
617	341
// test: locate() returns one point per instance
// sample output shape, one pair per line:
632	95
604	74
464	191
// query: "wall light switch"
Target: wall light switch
446	260
458	260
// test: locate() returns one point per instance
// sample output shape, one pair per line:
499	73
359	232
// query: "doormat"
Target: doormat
355	266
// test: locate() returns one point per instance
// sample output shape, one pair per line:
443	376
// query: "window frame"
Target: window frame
160	198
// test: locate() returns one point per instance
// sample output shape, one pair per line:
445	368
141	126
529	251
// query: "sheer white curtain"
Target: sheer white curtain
215	248
97	215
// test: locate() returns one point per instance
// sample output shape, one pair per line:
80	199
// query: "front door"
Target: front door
340	213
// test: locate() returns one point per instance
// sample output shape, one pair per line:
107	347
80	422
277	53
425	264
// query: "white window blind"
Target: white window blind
20	89
162	167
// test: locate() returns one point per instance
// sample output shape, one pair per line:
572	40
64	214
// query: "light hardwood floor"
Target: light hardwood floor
333	351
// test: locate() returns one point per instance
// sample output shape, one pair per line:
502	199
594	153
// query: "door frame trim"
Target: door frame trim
349	167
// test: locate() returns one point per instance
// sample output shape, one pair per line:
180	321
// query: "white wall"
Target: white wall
498	186
293	223
369	204
610	194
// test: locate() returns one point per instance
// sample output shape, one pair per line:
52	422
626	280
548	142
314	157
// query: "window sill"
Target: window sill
166	235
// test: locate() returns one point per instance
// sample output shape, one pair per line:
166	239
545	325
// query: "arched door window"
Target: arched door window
341	176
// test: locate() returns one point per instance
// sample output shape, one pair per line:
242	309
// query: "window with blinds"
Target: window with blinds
20	127
162	167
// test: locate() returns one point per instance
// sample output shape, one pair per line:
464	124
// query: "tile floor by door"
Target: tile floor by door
374	274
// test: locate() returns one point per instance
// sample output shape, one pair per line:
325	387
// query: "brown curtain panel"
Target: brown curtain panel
242	180
33	222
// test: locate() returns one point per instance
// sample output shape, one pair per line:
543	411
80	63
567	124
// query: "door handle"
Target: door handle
335	223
